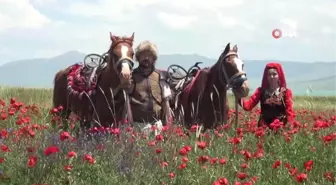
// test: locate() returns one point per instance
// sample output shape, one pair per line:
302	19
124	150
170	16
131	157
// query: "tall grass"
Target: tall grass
43	96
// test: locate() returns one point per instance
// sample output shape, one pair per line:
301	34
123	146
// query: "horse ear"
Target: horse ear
112	37
235	48
227	48
132	37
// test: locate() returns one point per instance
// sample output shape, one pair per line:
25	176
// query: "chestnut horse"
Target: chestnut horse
102	101
204	99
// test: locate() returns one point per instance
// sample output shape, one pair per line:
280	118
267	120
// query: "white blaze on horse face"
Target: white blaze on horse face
239	64
124	51
125	68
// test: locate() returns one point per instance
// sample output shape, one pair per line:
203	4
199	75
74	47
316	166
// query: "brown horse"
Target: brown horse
94	95
204	99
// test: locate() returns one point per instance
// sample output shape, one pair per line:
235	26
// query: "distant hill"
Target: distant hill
300	76
326	83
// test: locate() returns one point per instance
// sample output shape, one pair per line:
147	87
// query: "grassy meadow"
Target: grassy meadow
35	150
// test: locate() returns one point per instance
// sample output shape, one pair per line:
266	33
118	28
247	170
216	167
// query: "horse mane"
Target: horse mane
220	58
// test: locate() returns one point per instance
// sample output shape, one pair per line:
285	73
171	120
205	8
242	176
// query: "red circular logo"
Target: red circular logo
276	33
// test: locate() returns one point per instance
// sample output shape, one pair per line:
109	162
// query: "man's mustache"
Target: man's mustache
145	61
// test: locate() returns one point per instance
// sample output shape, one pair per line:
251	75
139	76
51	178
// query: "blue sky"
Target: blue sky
46	28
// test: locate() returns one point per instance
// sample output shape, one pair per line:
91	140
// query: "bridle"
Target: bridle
236	80
122	60
116	67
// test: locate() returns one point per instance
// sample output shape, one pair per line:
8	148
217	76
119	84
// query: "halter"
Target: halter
235	79
122	60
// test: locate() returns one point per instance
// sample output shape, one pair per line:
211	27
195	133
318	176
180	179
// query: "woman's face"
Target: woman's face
273	77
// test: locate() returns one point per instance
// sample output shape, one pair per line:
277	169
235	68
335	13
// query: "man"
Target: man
150	91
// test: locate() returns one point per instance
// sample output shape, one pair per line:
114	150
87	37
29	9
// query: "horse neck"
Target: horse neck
214	76
109	78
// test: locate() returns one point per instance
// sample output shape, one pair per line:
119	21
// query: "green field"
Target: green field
246	155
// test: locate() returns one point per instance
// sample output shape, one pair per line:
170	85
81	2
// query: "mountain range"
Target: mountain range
301	76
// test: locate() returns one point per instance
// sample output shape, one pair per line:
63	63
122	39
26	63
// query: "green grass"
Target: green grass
44	97
132	160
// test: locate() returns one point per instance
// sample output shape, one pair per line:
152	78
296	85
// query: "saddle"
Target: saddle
182	84
83	77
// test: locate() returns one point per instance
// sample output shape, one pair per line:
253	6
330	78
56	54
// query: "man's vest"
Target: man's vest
146	95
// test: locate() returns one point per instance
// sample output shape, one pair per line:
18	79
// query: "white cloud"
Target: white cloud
326	30
201	4
43	2
176	21
5	21
329	10
287	22
226	21
173	24
20	14
108	9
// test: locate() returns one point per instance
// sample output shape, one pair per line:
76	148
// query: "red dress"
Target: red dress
278	105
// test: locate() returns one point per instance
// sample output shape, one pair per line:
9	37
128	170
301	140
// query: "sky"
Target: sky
47	28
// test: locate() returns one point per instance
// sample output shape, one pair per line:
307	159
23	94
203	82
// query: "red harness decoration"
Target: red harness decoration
187	90
77	81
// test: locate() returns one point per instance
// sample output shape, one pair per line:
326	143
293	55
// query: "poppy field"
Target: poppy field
38	148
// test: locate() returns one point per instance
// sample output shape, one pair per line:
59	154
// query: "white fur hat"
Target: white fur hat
146	46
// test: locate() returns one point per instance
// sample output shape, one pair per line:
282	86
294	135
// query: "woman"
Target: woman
275	98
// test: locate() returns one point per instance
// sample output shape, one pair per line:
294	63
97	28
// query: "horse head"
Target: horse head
121	55
231	71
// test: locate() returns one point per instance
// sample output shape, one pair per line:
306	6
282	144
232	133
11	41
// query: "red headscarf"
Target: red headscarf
278	67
